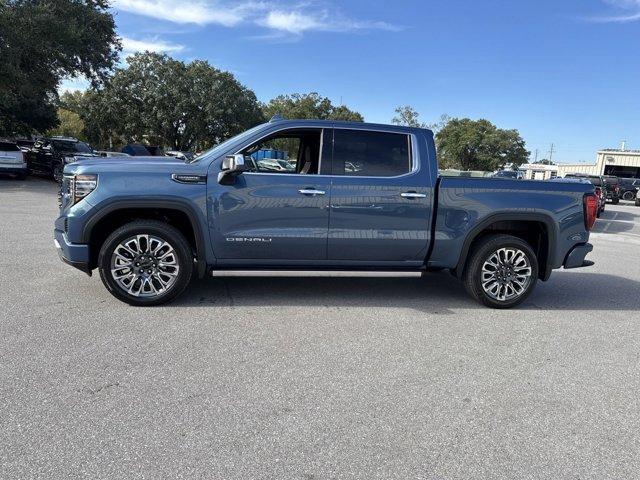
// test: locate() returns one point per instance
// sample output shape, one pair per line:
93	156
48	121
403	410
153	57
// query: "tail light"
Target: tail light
590	202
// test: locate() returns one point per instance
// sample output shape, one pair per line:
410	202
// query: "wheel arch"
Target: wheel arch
537	229
118	213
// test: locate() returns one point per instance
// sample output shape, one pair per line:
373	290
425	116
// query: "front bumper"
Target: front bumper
73	254
576	256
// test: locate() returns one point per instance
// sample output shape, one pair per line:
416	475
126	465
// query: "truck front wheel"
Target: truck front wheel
145	262
501	272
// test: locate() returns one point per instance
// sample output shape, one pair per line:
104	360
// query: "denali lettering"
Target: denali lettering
249	239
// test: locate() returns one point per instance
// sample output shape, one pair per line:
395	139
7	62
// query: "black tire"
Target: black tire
628	196
21	176
615	201
162	231
481	253
637	202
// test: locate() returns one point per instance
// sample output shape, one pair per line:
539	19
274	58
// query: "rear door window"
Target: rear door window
364	153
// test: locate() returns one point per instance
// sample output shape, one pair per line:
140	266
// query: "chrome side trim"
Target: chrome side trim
413	195
305	191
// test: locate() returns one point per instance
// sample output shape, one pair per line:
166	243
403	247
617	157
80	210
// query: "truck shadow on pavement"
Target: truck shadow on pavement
437	293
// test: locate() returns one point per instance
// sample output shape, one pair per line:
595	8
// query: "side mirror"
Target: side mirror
232	166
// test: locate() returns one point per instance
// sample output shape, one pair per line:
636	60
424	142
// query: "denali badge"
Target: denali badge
249	239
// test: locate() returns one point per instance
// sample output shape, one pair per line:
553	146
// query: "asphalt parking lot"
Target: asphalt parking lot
315	377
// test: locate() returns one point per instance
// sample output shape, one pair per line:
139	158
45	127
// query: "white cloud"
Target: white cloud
131	46
188	11
294	19
291	22
632	8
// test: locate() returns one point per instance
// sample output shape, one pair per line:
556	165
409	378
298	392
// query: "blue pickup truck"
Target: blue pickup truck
357	196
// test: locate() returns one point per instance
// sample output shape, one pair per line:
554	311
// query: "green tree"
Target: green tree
69	125
160	100
408	116
43	42
309	106
478	145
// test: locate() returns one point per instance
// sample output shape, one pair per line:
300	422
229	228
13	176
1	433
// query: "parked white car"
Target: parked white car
12	160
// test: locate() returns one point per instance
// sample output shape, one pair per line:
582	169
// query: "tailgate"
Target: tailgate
11	158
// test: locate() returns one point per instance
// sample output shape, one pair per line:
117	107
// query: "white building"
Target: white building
621	163
537	171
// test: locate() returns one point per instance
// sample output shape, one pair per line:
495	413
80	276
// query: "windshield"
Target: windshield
220	148
67	146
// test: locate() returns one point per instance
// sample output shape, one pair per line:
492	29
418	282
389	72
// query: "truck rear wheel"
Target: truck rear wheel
145	262
501	272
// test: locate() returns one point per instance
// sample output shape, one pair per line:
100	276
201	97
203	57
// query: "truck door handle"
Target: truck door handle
413	195
311	191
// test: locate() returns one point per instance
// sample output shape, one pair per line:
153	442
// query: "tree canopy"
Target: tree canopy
70	125
43	42
408	116
164	101
309	106
478	145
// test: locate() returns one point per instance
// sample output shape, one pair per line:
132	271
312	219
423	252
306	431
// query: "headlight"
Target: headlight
69	159
83	185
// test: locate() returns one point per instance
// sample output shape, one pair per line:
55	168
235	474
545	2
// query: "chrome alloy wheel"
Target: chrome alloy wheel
144	265
506	274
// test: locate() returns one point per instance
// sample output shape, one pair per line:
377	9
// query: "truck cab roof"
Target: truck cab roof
343	124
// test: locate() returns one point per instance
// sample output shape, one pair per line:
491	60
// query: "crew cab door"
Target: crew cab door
278	211
381	198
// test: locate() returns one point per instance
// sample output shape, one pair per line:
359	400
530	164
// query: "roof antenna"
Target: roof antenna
277	117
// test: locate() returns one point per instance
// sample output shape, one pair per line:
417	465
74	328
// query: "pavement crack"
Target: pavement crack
106	386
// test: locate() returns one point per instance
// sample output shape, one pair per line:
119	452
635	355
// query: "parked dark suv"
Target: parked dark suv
612	187
49	155
628	188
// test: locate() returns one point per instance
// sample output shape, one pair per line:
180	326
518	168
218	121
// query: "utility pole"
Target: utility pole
551	153
536	157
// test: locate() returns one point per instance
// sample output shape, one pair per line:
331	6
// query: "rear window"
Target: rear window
371	154
597	181
8	147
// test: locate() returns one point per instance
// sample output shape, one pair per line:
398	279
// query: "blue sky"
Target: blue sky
561	71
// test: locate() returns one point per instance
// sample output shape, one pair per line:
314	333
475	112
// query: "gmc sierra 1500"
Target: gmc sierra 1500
336	195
